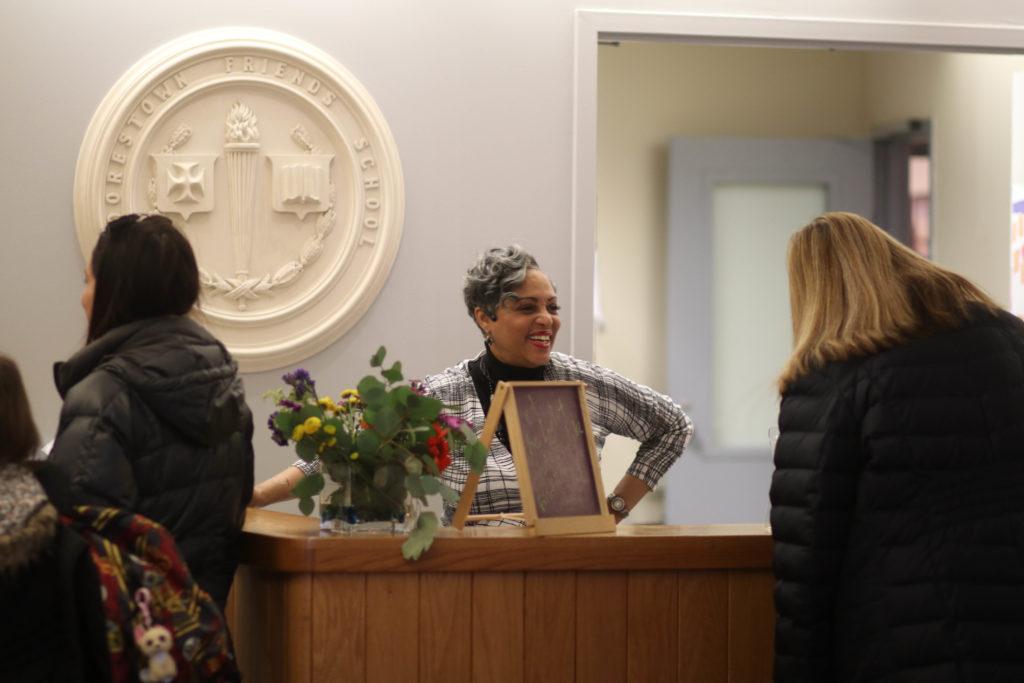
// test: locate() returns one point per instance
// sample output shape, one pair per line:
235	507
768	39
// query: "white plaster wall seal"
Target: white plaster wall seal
296	224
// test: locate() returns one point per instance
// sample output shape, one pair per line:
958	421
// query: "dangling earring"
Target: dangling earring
488	339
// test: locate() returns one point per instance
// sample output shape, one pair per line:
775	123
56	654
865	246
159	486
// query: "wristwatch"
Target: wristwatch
617	505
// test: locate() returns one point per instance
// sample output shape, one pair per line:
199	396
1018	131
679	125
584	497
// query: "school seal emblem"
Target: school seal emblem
279	168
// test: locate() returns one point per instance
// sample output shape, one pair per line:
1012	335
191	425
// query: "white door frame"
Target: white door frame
592	25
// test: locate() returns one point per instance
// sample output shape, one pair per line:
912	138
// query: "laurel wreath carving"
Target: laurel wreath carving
241	290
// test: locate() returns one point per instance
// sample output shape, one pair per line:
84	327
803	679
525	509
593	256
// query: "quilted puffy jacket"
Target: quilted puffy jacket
155	421
898	513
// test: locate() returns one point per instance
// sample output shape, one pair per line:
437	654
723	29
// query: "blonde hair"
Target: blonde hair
855	291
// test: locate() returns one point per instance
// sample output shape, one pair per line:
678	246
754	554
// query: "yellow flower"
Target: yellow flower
331	441
330	429
354	456
298	433
326	403
348	393
321	447
312	425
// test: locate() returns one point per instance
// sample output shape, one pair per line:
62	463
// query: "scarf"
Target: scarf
28	522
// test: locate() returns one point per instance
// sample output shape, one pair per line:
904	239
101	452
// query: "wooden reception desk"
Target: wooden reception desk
646	603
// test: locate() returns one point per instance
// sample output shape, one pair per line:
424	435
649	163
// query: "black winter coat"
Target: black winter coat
898	513
155	421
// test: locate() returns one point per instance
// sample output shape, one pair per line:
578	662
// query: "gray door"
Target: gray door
733	204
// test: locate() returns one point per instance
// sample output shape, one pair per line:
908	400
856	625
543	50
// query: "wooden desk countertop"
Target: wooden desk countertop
292	543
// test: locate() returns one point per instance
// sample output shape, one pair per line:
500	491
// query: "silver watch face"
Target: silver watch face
616	503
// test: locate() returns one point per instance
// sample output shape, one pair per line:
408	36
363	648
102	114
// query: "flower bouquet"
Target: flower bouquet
381	447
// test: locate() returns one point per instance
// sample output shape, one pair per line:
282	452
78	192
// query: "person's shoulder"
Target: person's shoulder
565	367
171	346
565	362
454	376
827	378
985	333
97	391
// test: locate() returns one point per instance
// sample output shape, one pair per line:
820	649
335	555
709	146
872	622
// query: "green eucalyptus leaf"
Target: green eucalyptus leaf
476	454
339	473
429	465
394	373
310	410
450	495
285	422
367	384
426	409
330	456
421	538
431	486
308	486
306	506
398	398
367	443
386	422
378	358
306	449
414	486
413	465
375	398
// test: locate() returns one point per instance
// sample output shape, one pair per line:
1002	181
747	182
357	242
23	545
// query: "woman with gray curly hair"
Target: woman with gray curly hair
515	307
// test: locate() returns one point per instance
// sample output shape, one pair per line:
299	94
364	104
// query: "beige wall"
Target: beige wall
650	92
968	99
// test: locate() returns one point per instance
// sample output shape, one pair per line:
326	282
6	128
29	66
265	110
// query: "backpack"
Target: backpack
160	625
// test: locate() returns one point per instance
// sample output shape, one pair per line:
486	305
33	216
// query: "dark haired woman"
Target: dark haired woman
53	627
154	417
898	493
515	307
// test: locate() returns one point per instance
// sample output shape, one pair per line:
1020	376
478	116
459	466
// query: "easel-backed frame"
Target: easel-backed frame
504	403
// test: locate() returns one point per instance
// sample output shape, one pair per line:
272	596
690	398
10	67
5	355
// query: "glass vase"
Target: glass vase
357	502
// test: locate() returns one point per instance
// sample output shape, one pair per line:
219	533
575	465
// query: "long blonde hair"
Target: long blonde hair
855	291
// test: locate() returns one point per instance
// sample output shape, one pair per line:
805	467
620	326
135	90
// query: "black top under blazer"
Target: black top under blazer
898	513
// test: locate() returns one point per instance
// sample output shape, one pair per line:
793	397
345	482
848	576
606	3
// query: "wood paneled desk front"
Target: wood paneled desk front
646	603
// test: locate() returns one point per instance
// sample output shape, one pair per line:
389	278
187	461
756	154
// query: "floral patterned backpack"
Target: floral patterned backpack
160	625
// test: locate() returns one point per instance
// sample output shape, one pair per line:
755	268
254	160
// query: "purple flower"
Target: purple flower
454	423
290	404
301	382
275	434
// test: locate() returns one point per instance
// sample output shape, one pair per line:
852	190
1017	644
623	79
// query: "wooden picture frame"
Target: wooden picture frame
552	444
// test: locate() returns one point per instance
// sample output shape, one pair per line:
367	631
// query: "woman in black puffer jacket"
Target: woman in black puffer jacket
898	494
154	418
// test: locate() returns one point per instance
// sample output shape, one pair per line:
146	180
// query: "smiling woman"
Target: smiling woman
515	306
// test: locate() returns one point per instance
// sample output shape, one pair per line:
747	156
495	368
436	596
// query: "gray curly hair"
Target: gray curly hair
491	281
